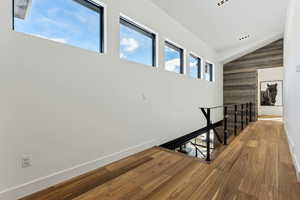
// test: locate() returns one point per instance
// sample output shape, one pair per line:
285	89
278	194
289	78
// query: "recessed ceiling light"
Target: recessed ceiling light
244	37
222	2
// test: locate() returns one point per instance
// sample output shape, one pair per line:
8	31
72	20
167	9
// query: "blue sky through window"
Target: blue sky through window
135	46
172	59
65	21
194	63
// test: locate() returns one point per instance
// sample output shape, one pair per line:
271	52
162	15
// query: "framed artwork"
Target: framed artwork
271	93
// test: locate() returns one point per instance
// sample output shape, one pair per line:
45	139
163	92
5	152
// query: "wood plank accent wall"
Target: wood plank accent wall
240	75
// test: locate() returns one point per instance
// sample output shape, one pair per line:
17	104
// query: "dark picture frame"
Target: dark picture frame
274	91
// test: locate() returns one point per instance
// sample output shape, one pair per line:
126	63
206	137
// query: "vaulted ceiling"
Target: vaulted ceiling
223	26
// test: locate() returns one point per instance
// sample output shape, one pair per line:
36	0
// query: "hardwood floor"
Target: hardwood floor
269	116
257	165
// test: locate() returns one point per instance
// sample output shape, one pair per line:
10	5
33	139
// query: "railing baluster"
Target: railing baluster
196	149
247	116
235	119
250	114
242	116
225	125
208	136
247	113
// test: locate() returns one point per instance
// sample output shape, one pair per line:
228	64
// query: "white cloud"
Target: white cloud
122	55
129	44
62	40
172	64
170	50
47	20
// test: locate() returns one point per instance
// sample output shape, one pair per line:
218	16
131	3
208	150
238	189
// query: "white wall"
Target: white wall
74	110
269	74
292	79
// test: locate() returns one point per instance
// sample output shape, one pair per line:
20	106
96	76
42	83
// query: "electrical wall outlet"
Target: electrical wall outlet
26	161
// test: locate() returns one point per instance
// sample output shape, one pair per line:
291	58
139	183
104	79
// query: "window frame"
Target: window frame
92	3
144	31
199	74
178	49
211	70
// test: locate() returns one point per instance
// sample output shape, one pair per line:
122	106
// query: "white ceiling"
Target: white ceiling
221	27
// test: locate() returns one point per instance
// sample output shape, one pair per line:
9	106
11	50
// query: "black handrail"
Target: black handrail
215	107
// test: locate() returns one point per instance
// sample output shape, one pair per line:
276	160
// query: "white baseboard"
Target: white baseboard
39	184
292	151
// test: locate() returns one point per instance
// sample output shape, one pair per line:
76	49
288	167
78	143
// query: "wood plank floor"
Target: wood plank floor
269	116
257	165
